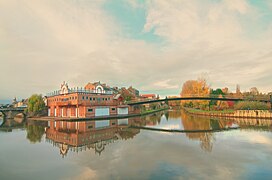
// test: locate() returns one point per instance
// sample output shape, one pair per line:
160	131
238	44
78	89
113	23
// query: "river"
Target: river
116	149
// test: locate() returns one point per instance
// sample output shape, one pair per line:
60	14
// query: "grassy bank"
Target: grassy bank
197	111
153	111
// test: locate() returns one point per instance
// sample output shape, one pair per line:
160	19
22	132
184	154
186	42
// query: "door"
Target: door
102	111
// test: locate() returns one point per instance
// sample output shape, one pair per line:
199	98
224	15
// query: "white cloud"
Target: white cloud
240	6
165	84
46	42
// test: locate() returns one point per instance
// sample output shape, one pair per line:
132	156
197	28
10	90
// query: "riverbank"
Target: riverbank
49	118
260	114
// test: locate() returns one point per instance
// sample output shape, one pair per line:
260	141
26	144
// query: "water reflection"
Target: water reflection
86	135
112	149
8	125
96	135
35	131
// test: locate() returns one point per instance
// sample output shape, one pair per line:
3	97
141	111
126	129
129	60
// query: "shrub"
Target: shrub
251	105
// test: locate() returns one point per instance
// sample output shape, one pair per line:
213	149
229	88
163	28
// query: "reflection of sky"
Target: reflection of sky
236	154
171	123
1	121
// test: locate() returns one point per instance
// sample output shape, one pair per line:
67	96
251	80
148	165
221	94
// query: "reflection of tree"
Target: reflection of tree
167	115
174	114
34	133
199	123
152	119
128	133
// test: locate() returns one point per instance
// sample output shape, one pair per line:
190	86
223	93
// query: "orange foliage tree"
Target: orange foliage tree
193	88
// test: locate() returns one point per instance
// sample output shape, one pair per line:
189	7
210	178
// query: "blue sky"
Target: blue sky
154	45
132	20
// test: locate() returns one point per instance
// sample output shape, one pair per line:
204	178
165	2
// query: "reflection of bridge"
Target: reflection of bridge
208	98
10	113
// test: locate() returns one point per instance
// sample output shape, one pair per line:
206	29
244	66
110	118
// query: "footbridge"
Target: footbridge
208	98
10	112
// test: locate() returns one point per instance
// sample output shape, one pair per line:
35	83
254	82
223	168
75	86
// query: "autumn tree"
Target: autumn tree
195	88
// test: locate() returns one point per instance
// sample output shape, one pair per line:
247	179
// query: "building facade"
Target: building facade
92	101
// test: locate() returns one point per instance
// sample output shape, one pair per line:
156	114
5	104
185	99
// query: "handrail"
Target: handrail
204	97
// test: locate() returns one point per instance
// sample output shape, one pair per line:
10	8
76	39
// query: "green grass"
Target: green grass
153	110
191	110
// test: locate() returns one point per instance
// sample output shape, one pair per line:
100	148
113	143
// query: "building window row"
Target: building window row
62	99
94	99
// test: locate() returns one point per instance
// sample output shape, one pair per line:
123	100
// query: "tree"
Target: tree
34	133
251	105
195	88
36	105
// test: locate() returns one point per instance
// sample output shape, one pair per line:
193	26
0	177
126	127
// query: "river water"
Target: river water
116	149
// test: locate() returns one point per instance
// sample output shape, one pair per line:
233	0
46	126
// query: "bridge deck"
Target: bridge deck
198	98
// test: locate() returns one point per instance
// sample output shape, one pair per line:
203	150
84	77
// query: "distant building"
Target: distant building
148	96
95	99
22	103
134	91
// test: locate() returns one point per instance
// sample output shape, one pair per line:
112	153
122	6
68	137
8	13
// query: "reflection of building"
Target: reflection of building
254	124
95	99
78	136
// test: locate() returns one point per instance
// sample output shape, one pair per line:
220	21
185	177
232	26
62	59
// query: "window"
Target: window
93	99
82	97
113	109
90	127
90	110
86	97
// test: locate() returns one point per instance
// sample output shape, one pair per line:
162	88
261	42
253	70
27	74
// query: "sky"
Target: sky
153	45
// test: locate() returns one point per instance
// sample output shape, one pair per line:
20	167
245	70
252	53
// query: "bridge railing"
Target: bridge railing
13	109
265	98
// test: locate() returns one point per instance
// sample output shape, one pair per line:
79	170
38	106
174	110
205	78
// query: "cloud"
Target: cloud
165	84
46	42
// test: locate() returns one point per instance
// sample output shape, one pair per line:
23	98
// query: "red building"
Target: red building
95	99
148	96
